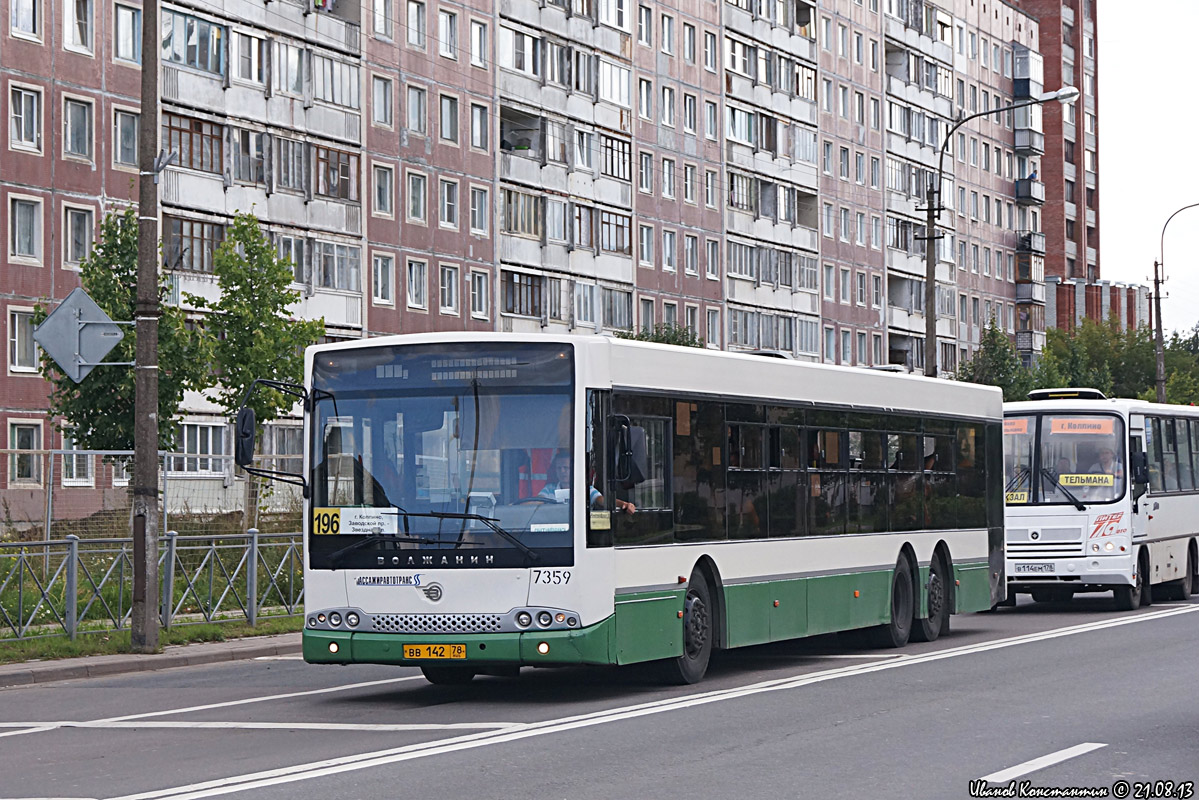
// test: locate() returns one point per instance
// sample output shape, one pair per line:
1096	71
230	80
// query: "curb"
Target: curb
188	655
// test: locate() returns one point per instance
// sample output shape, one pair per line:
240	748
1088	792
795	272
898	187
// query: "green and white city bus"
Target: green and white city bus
480	502
1102	495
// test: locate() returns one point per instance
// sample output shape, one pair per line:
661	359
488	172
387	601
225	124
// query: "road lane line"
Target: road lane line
281	726
1005	775
274	777
279	658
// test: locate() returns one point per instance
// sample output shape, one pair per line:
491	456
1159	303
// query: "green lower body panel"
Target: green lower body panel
973	587
648	626
591	645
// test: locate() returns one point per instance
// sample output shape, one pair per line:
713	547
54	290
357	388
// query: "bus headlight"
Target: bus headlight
352	619
524	619
1109	546
335	618
545	619
1094	547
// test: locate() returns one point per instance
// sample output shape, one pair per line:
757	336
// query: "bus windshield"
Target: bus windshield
1063	458
427	449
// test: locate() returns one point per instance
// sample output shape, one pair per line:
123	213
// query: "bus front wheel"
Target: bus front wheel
1181	589
1132	597
697	633
897	632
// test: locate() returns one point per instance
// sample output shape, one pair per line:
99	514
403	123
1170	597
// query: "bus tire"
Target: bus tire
1146	584
895	634
1129	597
697	633
937	622
1181	589
441	675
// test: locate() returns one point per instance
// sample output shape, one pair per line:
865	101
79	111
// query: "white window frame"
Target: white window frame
449	203
480	290
417	291
376	209
68	210
448	291
382	86
39	100
70	28
38	17
383	264
70	465
38	234
447	45
201	462
421	178
17	341
417	112
478	44
89	107
122	12
34	453
480	211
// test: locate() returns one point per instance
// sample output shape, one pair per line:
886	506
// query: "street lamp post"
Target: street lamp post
1158	280
1066	94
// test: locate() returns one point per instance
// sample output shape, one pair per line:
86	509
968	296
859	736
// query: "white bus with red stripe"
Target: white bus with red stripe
1101	495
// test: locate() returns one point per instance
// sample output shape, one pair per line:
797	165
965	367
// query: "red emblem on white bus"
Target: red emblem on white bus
1105	525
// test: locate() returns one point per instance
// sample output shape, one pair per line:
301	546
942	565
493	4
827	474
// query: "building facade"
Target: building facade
754	170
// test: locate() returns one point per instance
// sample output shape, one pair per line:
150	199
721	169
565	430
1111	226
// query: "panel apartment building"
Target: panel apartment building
752	169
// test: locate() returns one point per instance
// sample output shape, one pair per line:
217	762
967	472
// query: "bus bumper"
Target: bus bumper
1087	574
591	645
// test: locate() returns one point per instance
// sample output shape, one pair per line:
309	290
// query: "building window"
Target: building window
416	24
381	101
290	173
447	34
25	229
76	467
382	278
478	44
288	69
448	203
522	294
190	244
670	251
479	126
448	119
337	267
26	19
449	289
22	352
127	38
80	229
77	128
336	174
78	25
195	448
645	245
691	255
249	63
190	41
418	284
384	180
25	463
200	144
713	328
479	304
417	113
248	157
25	127
478	211
712	267
383	18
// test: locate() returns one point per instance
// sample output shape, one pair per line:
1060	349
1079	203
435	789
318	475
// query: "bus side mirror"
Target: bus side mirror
632	462
243	437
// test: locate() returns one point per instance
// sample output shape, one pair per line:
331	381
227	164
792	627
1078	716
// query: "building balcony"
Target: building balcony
1030	293
1030	341
1030	242
1029	142
1030	192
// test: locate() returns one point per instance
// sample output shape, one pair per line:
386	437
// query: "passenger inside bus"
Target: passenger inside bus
558	490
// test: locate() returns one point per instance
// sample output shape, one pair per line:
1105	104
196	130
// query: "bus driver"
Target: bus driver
561	471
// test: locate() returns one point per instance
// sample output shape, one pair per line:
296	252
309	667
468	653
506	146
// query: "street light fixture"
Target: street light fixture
1158	280
1064	95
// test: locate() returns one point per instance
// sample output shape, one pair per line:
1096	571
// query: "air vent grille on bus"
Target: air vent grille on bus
437	623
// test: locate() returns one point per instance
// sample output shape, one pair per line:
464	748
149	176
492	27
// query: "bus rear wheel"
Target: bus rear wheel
937	622
697	633
448	676
896	633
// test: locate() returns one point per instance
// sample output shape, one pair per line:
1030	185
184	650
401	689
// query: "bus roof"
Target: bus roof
630	364
1124	406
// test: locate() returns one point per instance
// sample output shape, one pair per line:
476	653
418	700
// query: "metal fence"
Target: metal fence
75	585
50	494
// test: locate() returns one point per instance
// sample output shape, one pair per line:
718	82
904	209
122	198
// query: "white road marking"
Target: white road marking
1005	775
279	658
276	726
333	766
227	704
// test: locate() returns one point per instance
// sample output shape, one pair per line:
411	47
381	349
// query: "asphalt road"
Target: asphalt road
1071	695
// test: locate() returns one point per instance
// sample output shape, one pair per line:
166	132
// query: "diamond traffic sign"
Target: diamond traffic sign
78	334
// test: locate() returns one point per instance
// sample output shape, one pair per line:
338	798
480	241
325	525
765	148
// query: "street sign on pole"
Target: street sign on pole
78	334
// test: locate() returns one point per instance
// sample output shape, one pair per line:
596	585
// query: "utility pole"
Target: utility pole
146	312
1158	347
930	269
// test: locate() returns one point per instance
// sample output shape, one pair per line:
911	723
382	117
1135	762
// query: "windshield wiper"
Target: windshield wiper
490	523
1020	475
1069	495
373	538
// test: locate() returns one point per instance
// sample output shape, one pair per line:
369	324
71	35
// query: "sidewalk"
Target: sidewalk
183	655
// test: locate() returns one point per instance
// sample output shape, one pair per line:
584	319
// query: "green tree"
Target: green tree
99	411
251	331
661	333
996	363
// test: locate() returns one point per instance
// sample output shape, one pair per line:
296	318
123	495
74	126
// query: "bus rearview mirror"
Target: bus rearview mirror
243	442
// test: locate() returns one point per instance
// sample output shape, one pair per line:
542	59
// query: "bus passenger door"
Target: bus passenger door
1138	479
